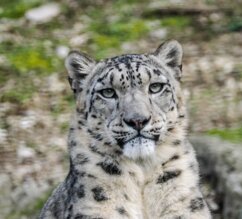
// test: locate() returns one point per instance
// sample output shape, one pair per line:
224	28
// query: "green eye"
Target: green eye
108	93
156	87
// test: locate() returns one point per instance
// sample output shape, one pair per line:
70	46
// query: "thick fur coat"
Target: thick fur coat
129	153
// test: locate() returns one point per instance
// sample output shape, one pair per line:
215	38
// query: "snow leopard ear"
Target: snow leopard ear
171	54
78	66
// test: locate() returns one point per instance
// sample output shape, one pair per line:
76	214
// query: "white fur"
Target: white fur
139	148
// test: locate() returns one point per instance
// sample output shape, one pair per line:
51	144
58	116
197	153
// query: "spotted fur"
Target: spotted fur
129	154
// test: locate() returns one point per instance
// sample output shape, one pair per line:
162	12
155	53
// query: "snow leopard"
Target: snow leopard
130	157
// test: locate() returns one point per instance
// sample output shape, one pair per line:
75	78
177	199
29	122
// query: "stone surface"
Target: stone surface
43	14
221	163
62	51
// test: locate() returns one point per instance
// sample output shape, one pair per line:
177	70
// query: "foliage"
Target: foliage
235	24
111	36
32	209
20	93
35	58
234	135
178	22
16	8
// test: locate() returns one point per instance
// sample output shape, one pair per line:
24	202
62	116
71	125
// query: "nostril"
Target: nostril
146	121
137	123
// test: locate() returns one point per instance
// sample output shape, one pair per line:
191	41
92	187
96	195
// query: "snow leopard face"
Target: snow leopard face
130	100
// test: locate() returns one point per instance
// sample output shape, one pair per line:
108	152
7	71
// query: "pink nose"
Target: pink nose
137	123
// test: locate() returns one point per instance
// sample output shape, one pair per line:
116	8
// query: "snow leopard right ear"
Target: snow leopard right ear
78	66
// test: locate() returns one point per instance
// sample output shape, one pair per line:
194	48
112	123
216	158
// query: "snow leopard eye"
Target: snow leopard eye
156	88
108	93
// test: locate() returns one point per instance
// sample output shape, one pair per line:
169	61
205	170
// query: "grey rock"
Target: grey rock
44	13
222	162
159	34
62	51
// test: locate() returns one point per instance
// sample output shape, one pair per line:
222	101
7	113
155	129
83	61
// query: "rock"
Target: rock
3	59
54	84
25	153
127	47
159	34
62	51
221	162
29	120
3	136
79	40
5	199
44	13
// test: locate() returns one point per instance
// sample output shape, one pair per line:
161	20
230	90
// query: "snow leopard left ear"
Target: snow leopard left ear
171	54
78	65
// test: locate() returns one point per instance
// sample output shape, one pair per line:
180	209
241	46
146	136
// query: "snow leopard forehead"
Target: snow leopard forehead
132	70
166	61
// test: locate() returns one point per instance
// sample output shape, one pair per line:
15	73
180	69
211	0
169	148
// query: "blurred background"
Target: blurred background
36	101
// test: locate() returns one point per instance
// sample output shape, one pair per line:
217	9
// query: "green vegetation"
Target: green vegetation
178	22
21	92
34	58
31	209
234	135
16	8
110	35
64	127
235	24
64	104
25	64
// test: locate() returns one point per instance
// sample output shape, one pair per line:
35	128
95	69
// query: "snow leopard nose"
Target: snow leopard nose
137	123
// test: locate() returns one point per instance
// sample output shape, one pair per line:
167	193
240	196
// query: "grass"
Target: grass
22	91
32	209
26	62
109	35
64	127
177	22
64	104
233	135
36	58
16	8
114	25
235	24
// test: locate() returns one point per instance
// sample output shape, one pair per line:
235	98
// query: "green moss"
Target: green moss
63	105
33	58
235	24
109	36
69	99
234	135
120	30
21	93
125	2
64	127
178	22
17	8
57	109
4	75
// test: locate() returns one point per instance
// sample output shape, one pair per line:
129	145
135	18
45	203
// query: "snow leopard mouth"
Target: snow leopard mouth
139	147
138	139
